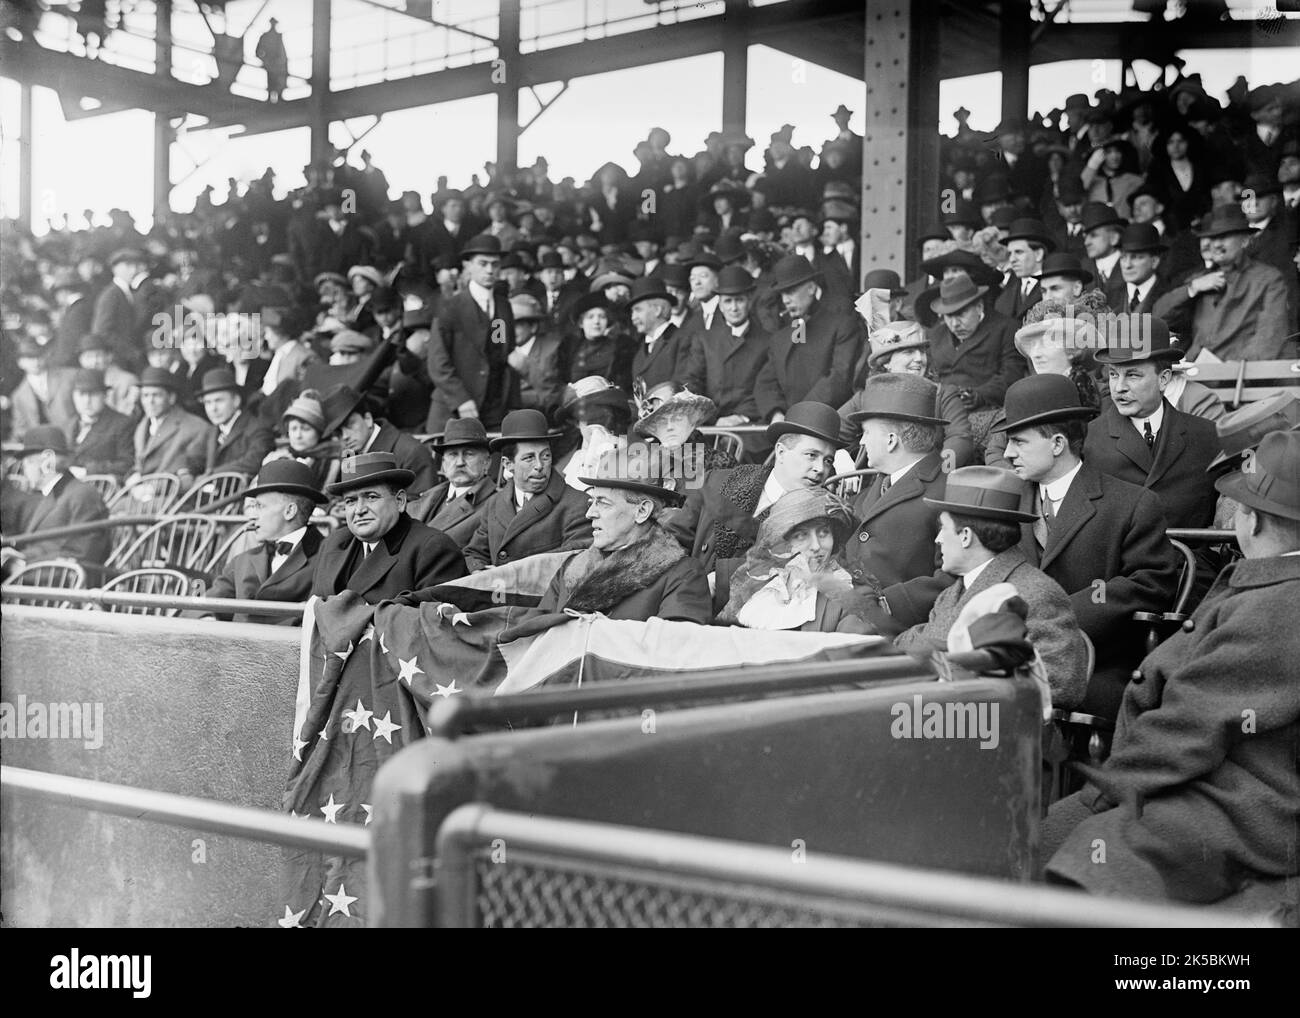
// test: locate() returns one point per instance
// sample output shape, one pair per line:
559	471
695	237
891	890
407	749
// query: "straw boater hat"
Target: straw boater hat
987	492
287	476
637	467
888	339
1273	486
1244	429
369	468
677	405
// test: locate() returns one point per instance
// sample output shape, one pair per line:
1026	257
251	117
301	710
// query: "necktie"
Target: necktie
1042	525
1134	301
1149	435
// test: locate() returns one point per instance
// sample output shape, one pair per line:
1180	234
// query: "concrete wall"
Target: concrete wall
191	707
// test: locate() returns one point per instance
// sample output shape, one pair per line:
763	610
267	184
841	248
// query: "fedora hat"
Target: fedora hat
368	468
1239	430
1223	221
288	476
1097	214
809	418
1141	237
339	404
1031	230
884	279
703	257
1273	486
791	271
484	244
1039	399
635	466
955	294
523	426
593	390
46	436
159	378
888	339
988	492
1156	345
307	408
1062	263
89	380
218	380
467	431
649	288
734	280
675	275
900	397
973	265
1259	185
729	248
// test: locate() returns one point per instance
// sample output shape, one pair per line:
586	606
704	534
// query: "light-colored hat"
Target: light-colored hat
888	339
366	272
307	408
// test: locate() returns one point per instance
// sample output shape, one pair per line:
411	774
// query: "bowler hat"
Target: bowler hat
933	233
675	276
1002	217
159	378
884	279
955	294
93	341
89	380
218	380
734	280
791	271
726	189
1141	237
369	468
461	431
901	397
809	418
1239	430
523	426
1259	185
484	244
729	248
1039	399
1223	221
987	492
702	257
1097	214
649	288
550	260
46	436
287	476
1272	485
635	466
1062	263
1144	338
992	190
587	302
385	298
593	390
1031	230
888	339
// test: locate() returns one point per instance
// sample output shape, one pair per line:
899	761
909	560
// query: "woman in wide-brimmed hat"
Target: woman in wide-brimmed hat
600	343
670	415
791	578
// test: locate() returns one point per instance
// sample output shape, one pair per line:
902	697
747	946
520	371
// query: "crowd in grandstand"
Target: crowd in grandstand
525	366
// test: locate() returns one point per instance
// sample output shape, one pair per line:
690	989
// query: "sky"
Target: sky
105	162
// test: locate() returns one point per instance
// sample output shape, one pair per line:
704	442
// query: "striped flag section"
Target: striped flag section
369	676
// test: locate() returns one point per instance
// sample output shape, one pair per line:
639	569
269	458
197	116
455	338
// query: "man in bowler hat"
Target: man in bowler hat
456	505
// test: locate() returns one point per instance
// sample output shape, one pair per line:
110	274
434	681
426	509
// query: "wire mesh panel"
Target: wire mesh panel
532	890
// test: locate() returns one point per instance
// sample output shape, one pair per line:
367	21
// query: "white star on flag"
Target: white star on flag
291	920
367	807
298	747
324	732
360	717
409	670
461	619
369	634
381	643
340	902
384	727
446	691
331	810
342	655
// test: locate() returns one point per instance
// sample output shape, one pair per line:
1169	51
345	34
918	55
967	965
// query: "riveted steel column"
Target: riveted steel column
508	86
319	104
735	67
25	155
900	148
162	128
1014	42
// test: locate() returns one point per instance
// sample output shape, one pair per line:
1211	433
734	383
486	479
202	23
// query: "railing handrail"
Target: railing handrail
73	529
186	811
841	879
1201	535
124	599
449	717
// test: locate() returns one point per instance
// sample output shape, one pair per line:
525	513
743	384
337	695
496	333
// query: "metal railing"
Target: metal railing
452	717
112	598
1201	535
184	811
510	869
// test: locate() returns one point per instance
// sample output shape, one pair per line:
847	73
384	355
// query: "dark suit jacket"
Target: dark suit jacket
553	520
179	447
244	449
458	518
987	362
541	384
661	364
410	454
117	319
409	557
107	447
1108	550
1012	302
894	540
247	576
819	368
1148	303
1114	287
718	522
465	363
27	412
68	502
725	368
1176	472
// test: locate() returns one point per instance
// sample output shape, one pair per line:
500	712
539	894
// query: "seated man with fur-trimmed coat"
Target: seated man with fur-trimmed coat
634	570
